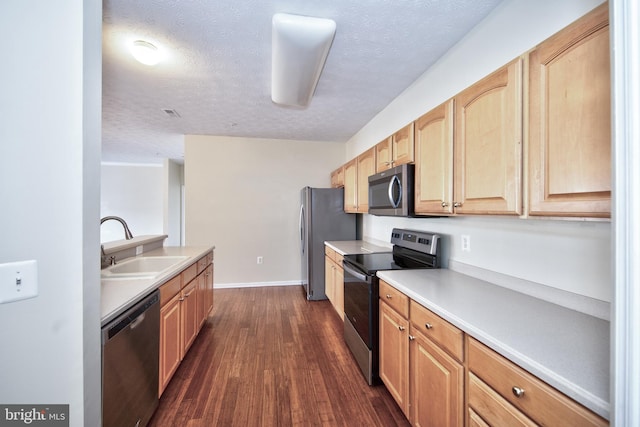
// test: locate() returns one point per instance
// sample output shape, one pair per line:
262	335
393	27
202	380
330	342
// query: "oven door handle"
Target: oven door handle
356	274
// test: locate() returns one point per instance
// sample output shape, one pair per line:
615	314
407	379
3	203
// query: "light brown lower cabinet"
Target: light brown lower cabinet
185	302
170	341
394	355
437	380
436	384
426	381
503	394
334	280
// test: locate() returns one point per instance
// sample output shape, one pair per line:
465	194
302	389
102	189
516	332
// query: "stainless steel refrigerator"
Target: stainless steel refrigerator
322	218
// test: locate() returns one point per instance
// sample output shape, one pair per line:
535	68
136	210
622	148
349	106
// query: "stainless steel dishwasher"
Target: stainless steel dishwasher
130	349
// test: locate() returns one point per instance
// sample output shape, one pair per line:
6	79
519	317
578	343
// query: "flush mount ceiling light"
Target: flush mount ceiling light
145	52
300	47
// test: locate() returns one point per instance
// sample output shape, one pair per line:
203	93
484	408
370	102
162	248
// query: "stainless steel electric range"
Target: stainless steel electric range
411	249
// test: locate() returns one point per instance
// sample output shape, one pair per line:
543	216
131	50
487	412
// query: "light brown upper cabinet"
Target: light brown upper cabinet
396	150
488	144
570	120
356	181
366	167
337	178
351	186
434	161
384	155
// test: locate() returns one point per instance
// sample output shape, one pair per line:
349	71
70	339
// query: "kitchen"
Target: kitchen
62	238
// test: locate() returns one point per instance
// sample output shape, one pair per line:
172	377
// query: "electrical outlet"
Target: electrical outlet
466	243
18	280
259	260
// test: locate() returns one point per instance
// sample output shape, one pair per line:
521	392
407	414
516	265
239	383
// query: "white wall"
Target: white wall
571	256
50	189
243	196
135	193
173	182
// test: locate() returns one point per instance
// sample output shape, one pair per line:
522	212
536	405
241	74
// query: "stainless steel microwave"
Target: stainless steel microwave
391	192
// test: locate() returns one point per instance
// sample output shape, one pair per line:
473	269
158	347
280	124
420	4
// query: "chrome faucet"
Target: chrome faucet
127	232
127	235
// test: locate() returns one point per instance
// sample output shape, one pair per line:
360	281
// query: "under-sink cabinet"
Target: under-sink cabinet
185	303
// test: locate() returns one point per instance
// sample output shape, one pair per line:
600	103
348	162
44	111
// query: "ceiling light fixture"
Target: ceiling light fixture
145	52
300	47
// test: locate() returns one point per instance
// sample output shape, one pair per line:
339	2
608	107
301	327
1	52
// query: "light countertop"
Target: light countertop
565	348
119	294
344	247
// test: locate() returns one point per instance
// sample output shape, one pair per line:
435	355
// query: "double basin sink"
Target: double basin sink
141	267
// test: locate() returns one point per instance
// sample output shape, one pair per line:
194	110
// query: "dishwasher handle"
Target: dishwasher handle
131	318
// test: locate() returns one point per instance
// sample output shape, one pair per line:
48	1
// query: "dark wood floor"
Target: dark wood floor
269	357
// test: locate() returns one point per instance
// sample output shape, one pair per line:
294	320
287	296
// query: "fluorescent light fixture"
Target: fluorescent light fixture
145	52
300	48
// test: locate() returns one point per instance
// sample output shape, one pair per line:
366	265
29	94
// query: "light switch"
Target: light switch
18	281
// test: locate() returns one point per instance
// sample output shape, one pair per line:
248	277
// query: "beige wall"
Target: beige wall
243	196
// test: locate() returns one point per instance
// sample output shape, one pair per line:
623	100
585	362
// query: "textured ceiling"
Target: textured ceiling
216	71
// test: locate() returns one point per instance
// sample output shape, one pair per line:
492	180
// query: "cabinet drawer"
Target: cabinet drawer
189	273
394	298
541	402
170	289
202	264
329	252
491	407
439	330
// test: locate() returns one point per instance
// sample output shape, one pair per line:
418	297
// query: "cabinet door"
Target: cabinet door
570	120
189	314
403	146
434	161
201	299
437	382
337	178
170	341
384	155
394	355
329	278
339	290
351	186
488	144
366	168
209	294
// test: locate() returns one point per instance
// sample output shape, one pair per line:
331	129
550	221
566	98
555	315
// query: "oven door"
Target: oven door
360	293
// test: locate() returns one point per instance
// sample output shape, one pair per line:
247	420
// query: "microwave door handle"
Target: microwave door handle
394	181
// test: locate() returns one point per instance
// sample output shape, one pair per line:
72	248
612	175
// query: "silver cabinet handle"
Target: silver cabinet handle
401	328
388	296
444	204
411	338
457	205
517	391
428	325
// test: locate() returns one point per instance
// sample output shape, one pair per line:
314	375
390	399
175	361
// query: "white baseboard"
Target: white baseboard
256	284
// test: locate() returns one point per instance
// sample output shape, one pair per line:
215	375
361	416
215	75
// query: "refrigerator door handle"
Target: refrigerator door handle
301	225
